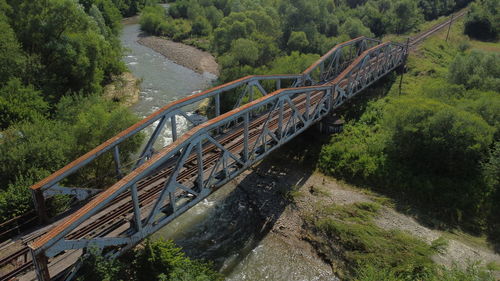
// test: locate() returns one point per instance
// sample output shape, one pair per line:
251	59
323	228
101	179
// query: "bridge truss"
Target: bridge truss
168	179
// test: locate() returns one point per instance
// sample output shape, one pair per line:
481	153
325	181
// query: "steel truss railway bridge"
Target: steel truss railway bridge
167	180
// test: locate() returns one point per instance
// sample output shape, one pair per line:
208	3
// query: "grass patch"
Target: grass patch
468	239
317	191
372	253
473	272
493	266
364	244
292	193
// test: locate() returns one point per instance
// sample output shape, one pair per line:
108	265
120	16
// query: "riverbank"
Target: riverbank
187	56
292	197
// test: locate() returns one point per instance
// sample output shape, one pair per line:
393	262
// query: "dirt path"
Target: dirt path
187	56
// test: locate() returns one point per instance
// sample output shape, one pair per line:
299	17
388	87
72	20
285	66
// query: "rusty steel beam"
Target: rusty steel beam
174	109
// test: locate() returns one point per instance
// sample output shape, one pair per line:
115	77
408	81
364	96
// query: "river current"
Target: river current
224	228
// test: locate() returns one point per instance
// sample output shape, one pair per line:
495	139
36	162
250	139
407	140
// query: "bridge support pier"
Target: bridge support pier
330	124
40	207
41	266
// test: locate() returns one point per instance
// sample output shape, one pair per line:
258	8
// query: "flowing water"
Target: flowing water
225	227
162	80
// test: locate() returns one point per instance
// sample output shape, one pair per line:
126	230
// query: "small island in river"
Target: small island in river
187	56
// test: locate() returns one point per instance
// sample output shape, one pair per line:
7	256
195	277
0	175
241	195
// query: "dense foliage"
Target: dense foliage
156	261
55	58
248	34
432	144
483	20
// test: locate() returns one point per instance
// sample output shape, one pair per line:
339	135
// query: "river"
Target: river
225	228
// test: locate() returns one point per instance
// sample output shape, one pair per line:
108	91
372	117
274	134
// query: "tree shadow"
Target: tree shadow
242	218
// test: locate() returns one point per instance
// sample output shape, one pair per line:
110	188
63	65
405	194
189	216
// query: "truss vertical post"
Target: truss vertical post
251	90
403	65
280	119
308	105
330	93
337	61
278	84
173	203
217	105
116	157
246	122
449	28
250	94
199	153
41	208
173	125
137	208
217	109
41	266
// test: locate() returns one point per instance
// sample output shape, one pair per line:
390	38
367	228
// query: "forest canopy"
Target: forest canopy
55	58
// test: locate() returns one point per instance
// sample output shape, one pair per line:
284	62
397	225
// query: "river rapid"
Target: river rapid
224	228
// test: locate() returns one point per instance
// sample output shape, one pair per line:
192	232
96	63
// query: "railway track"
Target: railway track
118	213
414	41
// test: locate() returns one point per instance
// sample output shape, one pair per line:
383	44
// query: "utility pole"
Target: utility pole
449	27
404	65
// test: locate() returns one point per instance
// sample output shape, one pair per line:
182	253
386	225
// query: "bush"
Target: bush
482	21
20	103
158	260
423	148
477	69
30	151
151	19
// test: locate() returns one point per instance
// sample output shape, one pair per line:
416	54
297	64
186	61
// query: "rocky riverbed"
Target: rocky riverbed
187	56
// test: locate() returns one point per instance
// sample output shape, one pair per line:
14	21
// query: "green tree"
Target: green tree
65	48
406	16
92	120
482	21
245	51
478	70
32	150
162	260
201	26
20	103
11	56
151	19
297	41
156	261
15	199
354	28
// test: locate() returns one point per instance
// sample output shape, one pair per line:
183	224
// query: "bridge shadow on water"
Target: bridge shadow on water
246	209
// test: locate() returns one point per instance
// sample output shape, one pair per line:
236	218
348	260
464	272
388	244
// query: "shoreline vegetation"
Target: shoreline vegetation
124	89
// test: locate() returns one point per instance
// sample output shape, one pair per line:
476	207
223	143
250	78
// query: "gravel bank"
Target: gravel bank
187	56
